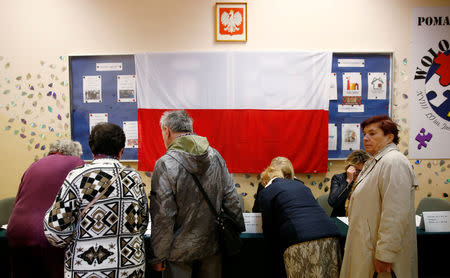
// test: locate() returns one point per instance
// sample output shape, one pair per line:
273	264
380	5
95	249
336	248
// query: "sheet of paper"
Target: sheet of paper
436	221
126	88
351	63
376	82
148	232
350	137
351	84
95	118
108	66
343	219
253	223
332	137
351	108
92	88
418	219
333	87
130	128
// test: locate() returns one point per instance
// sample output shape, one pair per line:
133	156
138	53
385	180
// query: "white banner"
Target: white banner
429	135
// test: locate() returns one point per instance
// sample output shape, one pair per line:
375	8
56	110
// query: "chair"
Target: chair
323	202
432	204
6	207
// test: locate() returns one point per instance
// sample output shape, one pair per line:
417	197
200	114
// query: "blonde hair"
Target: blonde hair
280	167
355	158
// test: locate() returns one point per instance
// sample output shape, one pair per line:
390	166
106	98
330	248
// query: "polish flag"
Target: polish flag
252	106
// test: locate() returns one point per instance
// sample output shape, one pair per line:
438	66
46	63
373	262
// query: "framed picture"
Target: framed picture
231	22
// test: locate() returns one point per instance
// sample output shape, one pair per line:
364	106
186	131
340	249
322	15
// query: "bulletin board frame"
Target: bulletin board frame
86	65
374	62
108	67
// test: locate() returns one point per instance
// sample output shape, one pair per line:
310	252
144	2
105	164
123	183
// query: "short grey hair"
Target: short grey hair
66	147
177	121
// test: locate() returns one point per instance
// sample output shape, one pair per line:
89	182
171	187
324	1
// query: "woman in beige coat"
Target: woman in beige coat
382	231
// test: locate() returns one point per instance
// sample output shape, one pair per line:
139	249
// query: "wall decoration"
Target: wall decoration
231	22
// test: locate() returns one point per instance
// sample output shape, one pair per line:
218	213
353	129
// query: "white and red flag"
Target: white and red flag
252	106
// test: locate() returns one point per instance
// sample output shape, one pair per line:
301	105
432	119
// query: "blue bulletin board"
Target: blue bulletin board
342	113
374	71
110	68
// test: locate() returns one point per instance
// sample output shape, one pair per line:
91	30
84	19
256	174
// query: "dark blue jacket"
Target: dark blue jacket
291	215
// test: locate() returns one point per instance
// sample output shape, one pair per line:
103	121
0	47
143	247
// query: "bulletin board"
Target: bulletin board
352	100
101	89
362	89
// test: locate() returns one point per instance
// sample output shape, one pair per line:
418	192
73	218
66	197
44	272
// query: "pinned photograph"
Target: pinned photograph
351	84
92	88
351	137
377	85
126	88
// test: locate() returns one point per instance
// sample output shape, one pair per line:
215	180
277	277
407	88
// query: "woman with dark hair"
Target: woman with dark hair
101	213
342	184
31	254
382	229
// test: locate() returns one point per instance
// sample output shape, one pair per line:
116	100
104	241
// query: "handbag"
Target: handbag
228	229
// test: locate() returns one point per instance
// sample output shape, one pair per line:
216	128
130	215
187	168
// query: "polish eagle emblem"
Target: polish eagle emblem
231	20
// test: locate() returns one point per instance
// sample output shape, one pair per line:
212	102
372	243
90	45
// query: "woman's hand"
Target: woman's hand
381	267
351	174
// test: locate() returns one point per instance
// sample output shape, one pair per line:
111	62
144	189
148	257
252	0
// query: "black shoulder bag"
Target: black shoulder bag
228	229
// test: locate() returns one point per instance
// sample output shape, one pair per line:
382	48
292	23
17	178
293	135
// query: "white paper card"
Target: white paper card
108	66
350	137
253	223
332	137
377	85
126	88
343	219
333	87
350	108
92	88
418	220
436	221
95	118
351	63
351	84
130	128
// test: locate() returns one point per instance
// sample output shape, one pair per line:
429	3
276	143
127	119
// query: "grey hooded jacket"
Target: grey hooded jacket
183	227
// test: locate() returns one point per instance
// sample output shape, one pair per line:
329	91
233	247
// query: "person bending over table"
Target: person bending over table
106	241
301	240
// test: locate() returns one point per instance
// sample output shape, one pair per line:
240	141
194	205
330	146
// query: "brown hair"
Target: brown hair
386	124
355	158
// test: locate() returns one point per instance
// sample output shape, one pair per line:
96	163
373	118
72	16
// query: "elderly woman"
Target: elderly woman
101	213
31	254
295	227
382	230
342	185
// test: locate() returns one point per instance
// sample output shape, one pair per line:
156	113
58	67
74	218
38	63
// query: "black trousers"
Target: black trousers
34	261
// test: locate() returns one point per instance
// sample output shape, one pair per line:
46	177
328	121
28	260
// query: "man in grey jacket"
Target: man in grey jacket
183	228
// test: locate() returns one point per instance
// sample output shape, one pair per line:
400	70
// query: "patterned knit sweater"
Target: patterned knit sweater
107	241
